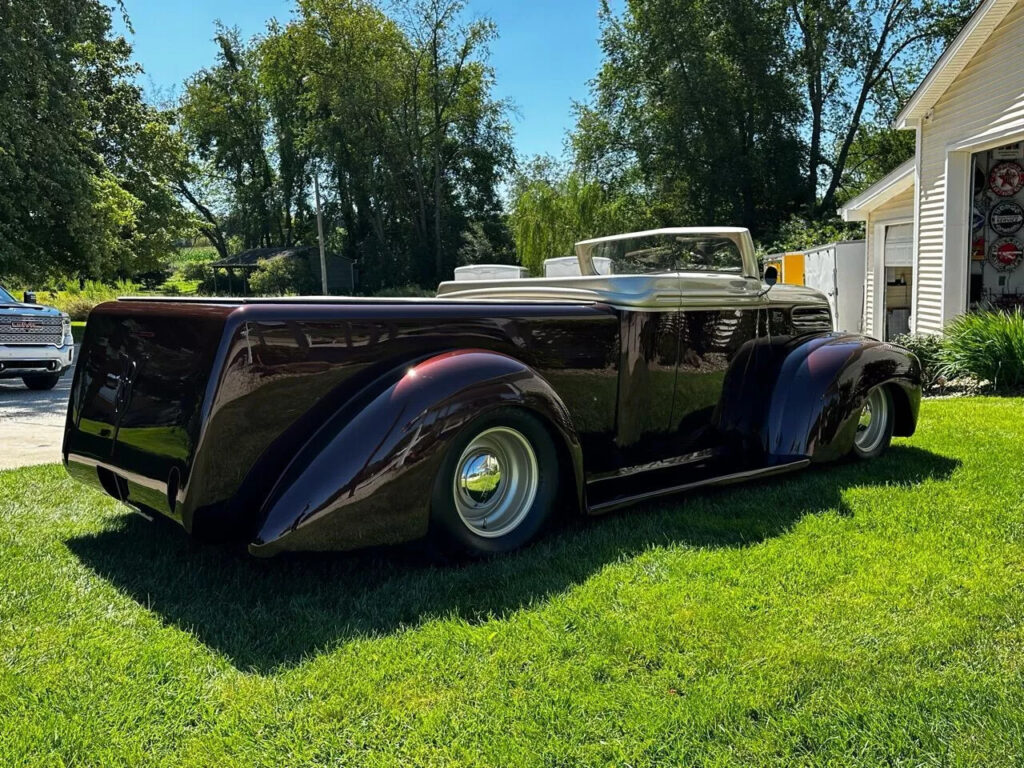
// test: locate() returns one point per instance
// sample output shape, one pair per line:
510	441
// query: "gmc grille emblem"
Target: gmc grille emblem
26	325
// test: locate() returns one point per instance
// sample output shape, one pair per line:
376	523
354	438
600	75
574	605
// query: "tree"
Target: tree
553	208
699	97
754	112
858	60
85	164
394	115
224	117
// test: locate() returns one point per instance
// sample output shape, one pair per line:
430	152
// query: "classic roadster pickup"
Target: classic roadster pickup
474	417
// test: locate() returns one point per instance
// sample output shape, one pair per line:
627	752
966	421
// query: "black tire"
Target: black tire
41	381
450	532
874	439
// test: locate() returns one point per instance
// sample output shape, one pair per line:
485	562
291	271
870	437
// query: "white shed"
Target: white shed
490	272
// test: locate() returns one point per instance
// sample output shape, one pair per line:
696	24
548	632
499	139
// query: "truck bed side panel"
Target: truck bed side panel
249	384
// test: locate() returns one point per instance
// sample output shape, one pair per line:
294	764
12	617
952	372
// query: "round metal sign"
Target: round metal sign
1006	217
1006	254
1006	179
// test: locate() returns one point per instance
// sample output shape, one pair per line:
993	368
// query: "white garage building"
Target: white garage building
945	231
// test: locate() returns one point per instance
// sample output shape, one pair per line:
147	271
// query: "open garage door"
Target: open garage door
899	278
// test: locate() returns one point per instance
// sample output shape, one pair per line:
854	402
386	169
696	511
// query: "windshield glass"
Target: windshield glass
664	252
5	296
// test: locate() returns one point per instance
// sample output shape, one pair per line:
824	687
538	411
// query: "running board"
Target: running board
736	477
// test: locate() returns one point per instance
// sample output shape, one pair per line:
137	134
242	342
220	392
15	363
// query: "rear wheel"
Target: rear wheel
874	424
41	380
497	486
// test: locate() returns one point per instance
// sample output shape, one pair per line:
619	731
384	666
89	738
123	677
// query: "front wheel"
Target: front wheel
497	485
41	381
874	424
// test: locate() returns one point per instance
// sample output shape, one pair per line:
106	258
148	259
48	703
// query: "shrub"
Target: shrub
79	307
928	349
988	346
283	277
195	270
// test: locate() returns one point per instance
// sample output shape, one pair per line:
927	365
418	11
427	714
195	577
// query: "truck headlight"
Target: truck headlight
65	322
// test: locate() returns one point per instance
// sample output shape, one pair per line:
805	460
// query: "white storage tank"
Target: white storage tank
490	272
569	266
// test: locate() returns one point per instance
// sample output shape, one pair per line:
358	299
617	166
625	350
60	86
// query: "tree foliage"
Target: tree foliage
700	97
553	208
393	114
858	61
754	112
765	113
85	164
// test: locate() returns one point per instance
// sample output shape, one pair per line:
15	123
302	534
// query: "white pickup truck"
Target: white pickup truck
35	343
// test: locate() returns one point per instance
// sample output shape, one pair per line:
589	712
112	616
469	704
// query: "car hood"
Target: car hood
17	309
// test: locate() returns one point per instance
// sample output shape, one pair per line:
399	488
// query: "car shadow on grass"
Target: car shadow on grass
263	614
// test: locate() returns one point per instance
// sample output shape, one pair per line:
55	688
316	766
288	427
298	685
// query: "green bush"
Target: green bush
283	277
988	346
195	270
79	307
928	349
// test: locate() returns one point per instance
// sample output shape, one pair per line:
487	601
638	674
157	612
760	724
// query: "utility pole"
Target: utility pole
320	232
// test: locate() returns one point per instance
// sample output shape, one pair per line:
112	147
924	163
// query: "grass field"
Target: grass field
865	614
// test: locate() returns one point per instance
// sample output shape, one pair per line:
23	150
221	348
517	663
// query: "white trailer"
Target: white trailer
838	270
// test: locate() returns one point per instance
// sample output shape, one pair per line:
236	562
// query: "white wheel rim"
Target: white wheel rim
495	482
871	424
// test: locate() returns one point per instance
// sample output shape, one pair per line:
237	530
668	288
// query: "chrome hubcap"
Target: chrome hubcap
872	421
495	482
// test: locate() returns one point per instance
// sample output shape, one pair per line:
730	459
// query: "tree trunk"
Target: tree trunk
436	77
213	231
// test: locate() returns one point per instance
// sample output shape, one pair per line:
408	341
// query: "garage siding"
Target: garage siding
987	96
900	207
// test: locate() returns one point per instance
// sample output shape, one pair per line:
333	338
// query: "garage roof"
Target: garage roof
883	190
951	63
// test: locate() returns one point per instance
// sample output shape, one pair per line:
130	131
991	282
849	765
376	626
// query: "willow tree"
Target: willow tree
552	208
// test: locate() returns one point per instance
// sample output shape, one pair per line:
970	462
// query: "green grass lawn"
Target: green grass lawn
863	614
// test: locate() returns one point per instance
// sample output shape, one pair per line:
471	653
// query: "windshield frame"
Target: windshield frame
587	250
5	296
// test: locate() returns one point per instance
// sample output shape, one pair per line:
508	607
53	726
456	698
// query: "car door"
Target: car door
647	307
718	315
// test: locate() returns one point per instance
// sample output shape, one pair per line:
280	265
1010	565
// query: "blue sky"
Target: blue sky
546	52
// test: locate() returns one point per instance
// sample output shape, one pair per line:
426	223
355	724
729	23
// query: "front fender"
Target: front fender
821	387
365	477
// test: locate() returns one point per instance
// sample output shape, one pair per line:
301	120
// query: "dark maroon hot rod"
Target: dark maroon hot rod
474	417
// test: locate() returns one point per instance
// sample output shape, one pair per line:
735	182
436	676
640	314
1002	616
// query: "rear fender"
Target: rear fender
821	387
365	477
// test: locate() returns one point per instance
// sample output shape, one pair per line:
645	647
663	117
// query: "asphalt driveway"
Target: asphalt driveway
32	423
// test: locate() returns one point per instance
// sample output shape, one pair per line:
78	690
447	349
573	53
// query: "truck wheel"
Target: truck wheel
41	380
875	424
497	485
